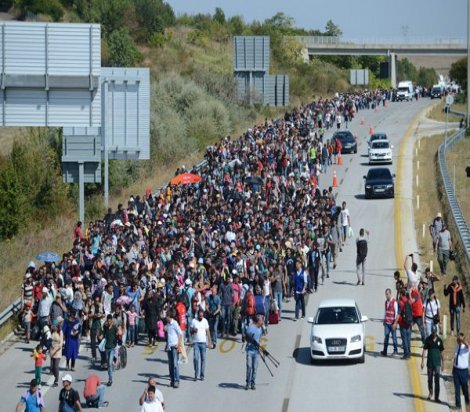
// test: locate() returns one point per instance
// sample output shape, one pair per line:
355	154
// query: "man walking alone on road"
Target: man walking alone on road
390	323
201	338
345	222
434	348
361	255
253	336
174	339
443	246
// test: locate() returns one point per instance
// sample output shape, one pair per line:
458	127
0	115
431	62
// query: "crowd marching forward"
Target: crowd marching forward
197	262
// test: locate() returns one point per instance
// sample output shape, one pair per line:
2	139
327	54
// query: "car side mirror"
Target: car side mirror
364	318
364	177
310	320
394	175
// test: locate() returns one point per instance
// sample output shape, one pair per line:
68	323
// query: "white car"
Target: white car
376	136
380	151
338	331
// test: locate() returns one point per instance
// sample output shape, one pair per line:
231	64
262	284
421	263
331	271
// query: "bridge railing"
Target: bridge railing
457	215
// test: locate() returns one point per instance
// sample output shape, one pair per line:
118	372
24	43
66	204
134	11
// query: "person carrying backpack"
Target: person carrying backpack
31	400
248	309
405	320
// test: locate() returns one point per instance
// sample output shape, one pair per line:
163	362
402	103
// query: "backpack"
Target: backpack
407	313
249	304
362	248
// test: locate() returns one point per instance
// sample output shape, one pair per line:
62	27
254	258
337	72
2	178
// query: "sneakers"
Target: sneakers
176	385
110	383
295	319
383	353
395	354
358	283
253	387
247	387
105	405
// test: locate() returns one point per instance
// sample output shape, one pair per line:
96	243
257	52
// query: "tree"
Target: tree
458	72
332	29
153	16
122	49
427	77
237	25
281	22
219	16
406	70
52	8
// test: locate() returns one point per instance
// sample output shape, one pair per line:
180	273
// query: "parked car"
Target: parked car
379	183
376	136
348	141
380	151
338	331
436	93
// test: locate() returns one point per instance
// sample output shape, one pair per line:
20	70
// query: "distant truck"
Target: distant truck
405	91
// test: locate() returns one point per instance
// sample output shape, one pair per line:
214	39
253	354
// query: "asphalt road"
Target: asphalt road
379	384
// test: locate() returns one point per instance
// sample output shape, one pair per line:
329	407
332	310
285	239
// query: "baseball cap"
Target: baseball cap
434	328
67	378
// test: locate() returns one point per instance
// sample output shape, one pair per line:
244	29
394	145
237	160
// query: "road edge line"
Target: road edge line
412	366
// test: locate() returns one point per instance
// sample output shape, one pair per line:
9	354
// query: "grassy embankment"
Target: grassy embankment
437	113
433	200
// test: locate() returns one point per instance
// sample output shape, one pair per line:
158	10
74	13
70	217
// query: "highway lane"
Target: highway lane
381	383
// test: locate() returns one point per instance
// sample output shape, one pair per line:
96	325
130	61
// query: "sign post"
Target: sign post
449	102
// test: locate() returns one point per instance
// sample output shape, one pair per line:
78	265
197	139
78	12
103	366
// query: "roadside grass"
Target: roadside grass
8	135
432	200
437	112
458	158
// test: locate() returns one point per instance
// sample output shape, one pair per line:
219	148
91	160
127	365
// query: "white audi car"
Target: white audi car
338	331
380	151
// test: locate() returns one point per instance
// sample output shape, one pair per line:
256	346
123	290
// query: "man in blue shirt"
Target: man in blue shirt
253	336
32	399
214	306
174	339
300	285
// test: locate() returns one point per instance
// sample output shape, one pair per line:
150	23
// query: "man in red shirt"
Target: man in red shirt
94	392
405	327
418	312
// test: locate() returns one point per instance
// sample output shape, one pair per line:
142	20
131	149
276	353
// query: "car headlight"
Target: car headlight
389	186
316	339
368	186
356	338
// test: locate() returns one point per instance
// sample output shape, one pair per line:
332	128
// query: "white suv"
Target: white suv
380	151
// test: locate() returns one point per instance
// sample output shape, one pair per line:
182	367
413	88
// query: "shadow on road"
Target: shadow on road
344	283
230	385
423	398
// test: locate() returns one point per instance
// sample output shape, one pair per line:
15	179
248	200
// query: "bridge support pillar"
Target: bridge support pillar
393	68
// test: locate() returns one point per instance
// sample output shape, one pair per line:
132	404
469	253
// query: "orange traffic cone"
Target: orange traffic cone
371	130
362	121
335	180
340	159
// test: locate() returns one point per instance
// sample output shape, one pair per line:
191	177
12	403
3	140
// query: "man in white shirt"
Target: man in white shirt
345	221
201	338
152	404
174	339
152	381
411	272
460	370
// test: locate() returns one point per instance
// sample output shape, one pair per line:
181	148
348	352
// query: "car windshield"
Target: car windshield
378	137
381	144
403	89
345	137
379	174
337	315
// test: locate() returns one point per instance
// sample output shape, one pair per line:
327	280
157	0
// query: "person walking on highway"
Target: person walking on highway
460	370
390	322
434	348
214	304
443	246
435	228
252	337
432	313
361	255
109	333
174	340
300	287
152	381
151	403
405	321
69	399
411	271
418	312
31	400
201	336
456	303
345	222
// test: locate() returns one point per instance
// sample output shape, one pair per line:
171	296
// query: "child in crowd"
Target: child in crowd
132	322
39	359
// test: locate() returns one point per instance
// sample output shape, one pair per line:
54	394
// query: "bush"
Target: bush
51	8
122	51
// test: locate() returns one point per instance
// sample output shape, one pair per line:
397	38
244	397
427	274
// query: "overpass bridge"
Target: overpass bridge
337	46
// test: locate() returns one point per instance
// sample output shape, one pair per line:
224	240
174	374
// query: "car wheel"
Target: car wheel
355	150
366	196
393	195
312	361
362	359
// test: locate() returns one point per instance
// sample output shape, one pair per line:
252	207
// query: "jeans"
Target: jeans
173	364
267	303
213	326
235	316
429	323
419	321
299	304
455	313
55	368
406	340
434	373
460	381
278	299
132	334
226	318
199	353
96	400
251	366
387	331
443	259
109	360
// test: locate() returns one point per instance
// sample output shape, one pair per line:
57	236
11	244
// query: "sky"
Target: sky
358	19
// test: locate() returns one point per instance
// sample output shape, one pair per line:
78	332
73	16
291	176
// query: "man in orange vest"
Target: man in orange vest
390	322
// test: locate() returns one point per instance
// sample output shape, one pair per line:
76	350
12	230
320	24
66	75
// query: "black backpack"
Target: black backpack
362	248
407	314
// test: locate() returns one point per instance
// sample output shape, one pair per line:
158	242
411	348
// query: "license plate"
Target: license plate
380	190
336	348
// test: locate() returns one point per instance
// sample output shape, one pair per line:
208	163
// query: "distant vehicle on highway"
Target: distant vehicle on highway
338	331
380	151
405	91
436	92
348	141
376	136
379	183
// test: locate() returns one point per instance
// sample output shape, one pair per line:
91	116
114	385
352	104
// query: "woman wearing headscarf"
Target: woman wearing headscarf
71	329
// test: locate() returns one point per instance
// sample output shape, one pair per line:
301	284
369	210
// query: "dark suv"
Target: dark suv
379	183
436	93
348	142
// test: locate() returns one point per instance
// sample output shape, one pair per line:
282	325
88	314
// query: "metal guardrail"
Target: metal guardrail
10	311
460	223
